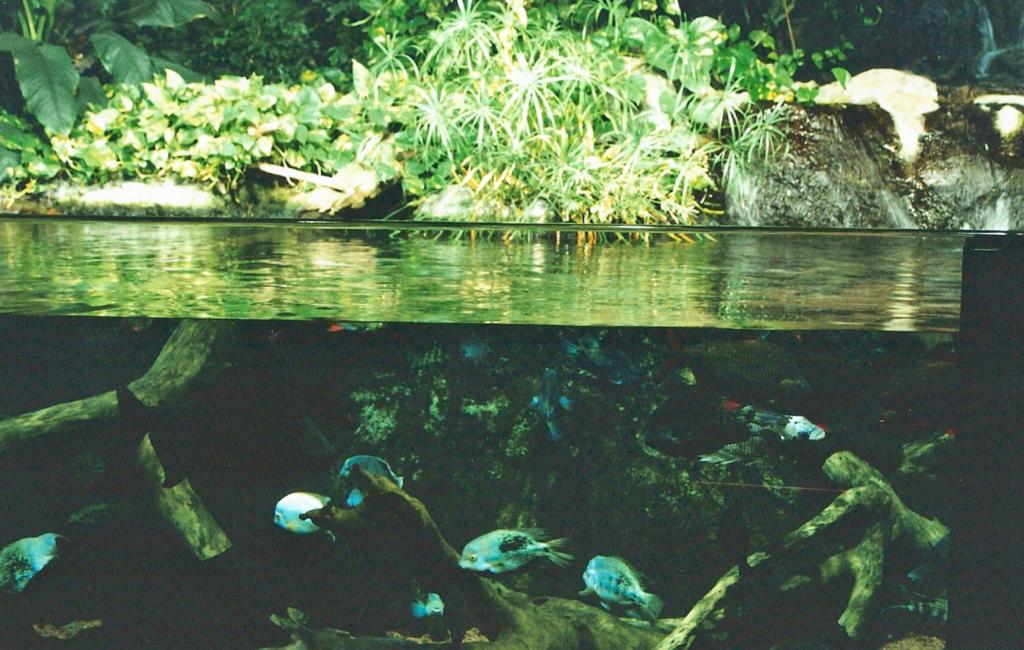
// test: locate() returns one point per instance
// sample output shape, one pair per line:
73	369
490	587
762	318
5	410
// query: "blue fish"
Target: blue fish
370	465
475	350
618	584
507	549
428	607
548	400
22	560
614	365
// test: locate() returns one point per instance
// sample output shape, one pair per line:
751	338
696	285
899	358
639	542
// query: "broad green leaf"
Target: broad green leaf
90	93
125	62
190	76
360	79
40	166
11	42
167	13
47	80
636	30
9	162
16	139
842	75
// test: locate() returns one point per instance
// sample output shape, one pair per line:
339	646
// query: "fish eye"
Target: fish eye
472	557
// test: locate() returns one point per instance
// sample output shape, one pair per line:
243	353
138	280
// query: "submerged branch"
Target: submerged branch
889	521
398	525
183	359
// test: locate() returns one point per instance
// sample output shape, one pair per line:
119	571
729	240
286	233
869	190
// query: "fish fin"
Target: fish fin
553	431
538	534
401	482
557	552
418	610
737	452
587	592
652	607
355	497
605	606
565	402
334	538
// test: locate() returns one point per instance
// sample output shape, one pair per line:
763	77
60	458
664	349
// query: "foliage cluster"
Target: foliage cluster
543	111
59	39
278	39
211	133
25	157
594	111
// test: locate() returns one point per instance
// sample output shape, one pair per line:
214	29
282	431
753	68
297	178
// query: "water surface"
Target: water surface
902	281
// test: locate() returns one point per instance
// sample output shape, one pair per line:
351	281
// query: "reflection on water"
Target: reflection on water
900	281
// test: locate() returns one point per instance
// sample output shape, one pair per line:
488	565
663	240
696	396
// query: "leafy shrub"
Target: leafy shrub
47	77
544	114
211	133
24	157
272	38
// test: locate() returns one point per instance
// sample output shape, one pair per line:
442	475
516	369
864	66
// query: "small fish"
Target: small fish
548	399
370	465
334	328
731	405
286	514
934	608
786	427
618	584
427	607
504	550
614	365
737	452
475	350
22	560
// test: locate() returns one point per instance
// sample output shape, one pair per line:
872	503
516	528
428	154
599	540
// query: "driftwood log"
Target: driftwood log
401	529
869	498
185	359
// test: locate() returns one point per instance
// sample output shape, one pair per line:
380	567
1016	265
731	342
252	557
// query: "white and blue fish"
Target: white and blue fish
507	549
619	585
547	401
370	465
767	427
290	507
22	560
430	606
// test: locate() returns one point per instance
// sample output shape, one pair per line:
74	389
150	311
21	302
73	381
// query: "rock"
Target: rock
842	171
165	198
907	98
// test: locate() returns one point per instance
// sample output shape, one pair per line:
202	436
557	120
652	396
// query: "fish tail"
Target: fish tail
652	606
557	552
355	497
553	431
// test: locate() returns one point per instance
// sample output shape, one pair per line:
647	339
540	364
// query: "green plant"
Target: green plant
46	75
25	158
272	38
211	133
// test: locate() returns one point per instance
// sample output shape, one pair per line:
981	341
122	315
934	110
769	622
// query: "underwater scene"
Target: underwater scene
328	484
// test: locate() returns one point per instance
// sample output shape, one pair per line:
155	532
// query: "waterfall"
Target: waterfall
989	48
989	45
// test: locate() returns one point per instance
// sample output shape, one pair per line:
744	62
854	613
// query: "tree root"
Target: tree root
870	498
184	359
399	528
